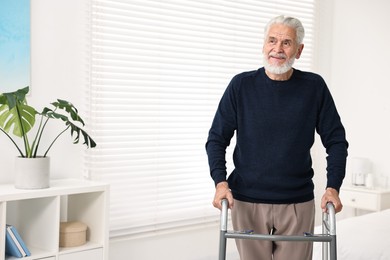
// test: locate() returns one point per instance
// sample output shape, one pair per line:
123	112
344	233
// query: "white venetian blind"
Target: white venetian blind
157	71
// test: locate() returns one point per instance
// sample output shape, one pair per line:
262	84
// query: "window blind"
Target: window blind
156	72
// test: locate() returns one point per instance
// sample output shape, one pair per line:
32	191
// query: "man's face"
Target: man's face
280	49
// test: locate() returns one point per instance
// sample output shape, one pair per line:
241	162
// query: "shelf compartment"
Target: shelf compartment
87	208
36	221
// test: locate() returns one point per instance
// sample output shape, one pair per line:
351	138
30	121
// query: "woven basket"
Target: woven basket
73	233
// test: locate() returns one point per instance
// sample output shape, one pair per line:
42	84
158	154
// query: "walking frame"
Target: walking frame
328	235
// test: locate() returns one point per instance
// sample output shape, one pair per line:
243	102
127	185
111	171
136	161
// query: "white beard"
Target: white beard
278	69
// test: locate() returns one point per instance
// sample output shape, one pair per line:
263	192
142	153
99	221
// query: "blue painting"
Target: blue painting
14	44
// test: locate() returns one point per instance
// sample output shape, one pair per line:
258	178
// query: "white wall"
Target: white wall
58	40
355	55
352	57
360	72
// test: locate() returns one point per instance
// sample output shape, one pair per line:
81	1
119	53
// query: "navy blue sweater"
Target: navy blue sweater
275	124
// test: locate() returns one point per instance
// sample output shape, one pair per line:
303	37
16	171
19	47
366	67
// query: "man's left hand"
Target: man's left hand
331	195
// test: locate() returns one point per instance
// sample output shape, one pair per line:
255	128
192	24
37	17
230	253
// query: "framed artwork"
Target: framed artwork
14	44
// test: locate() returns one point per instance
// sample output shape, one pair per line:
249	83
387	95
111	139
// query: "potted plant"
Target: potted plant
18	118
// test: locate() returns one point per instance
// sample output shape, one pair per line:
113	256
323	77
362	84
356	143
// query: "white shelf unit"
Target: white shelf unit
37	214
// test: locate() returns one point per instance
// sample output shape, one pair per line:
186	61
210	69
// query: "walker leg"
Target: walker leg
333	248
222	246
325	231
325	254
330	220
223	229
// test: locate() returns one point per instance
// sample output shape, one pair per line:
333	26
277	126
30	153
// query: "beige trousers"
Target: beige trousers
277	219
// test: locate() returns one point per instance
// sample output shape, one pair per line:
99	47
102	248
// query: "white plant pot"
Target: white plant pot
32	173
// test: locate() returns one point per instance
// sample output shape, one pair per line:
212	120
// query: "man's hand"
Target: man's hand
222	191
331	195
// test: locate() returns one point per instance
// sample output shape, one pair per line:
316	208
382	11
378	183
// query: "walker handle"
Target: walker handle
224	214
329	218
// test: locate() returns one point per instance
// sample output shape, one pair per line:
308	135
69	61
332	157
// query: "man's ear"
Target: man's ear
299	52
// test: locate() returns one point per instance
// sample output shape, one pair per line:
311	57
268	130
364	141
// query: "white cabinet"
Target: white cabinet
37	215
363	198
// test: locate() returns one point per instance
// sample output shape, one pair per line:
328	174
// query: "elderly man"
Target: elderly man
275	112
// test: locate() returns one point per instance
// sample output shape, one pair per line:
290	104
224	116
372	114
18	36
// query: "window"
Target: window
157	71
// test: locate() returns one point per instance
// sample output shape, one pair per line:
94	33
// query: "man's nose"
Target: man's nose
278	47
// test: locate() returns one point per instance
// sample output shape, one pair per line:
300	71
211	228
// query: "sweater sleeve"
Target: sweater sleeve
221	132
332	134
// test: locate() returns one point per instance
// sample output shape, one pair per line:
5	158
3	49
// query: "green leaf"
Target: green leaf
21	118
13	98
88	141
75	131
15	114
68	107
52	114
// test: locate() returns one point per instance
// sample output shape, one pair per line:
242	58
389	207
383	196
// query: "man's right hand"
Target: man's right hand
222	191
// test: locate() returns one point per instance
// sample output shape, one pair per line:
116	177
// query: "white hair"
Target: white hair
289	21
